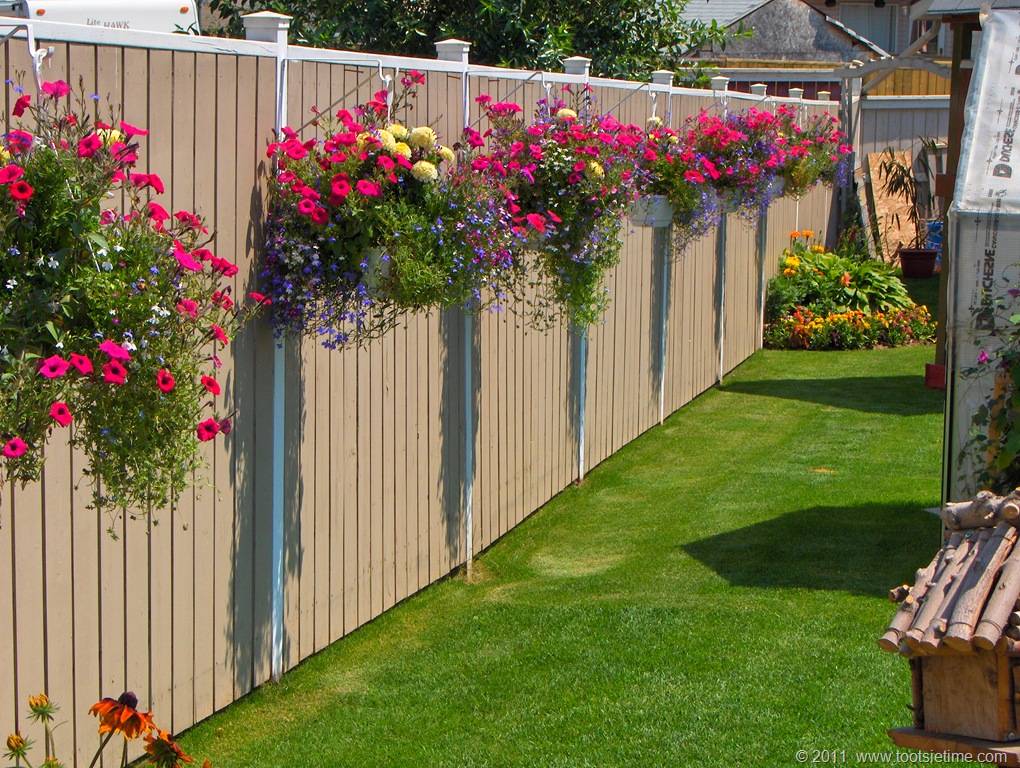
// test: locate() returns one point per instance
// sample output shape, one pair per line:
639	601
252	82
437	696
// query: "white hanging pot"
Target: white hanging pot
651	211
376	270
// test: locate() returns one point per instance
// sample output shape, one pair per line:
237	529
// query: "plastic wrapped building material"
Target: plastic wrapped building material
984	254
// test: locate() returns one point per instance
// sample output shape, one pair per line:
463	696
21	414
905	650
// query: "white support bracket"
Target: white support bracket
38	55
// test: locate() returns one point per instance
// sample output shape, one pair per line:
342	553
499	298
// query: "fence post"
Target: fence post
269	27
797	93
662	237
719	86
458	51
580	65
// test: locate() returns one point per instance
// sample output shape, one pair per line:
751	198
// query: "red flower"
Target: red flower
89	145
61	414
21	105
188	307
21	190
158	214
53	367
114	373
15	447
131	130
11	173
143	180
219	334
186	260
207	430
260	298
165	381
368	188
56	89
211	385
114	351
81	364
537	221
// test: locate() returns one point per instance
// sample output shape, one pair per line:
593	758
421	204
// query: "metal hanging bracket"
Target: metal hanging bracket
38	55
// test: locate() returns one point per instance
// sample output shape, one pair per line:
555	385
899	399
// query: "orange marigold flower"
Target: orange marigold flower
794	235
164	751
121	715
845	279
807	234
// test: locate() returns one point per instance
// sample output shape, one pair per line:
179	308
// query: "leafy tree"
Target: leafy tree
624	38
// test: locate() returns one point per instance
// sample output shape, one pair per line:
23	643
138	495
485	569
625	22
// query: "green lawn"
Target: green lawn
710	596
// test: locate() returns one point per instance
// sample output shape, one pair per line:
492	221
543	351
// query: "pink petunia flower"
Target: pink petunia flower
21	190
53	367
165	381
56	89
80	363
15	447
132	130
21	105
368	188
61	414
983	357
537	222
188	308
90	144
211	385
11	173
114	351
219	334
187	261
114	373
206	430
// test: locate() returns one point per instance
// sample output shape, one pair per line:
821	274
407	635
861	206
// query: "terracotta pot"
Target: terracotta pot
917	262
651	211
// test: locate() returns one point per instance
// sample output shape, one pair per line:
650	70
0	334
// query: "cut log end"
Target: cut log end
890	641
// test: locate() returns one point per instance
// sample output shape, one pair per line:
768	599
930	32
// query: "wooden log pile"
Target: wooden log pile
968	597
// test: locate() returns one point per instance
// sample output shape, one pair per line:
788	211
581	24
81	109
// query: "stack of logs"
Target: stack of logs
967	597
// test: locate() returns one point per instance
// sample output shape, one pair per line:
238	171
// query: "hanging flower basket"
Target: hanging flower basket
651	211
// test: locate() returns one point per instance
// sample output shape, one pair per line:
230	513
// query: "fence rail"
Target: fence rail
179	606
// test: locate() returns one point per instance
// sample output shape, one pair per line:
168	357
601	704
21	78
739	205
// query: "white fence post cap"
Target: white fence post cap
266	26
759	89
824	96
662	77
577	65
720	83
453	50
796	93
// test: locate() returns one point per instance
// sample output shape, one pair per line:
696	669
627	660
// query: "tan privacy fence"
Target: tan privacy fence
179	606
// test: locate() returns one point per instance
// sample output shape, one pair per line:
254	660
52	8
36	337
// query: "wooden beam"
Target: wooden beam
992	752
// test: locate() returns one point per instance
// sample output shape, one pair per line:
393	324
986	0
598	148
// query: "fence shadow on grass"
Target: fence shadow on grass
861	550
893	395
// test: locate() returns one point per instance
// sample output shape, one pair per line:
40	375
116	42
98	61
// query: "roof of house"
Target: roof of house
964	7
963	600
726	12
730	12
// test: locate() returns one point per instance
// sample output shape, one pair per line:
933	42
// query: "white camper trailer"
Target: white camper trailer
143	15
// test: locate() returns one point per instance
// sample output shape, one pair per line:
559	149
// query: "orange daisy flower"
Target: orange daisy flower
121	715
164	751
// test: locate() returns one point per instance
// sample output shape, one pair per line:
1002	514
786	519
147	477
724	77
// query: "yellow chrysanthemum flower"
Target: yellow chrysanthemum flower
110	136
596	170
386	139
4	155
654	122
566	114
400	148
399	132
447	154
363	139
423	137
424	171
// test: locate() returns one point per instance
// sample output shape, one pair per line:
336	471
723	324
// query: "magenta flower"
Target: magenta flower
219	334
188	307
211	385
187	261
89	145
81	364
165	381
114	373
61	414
368	188
207	430
56	89
983	357
15	447
131	130
53	367
114	351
